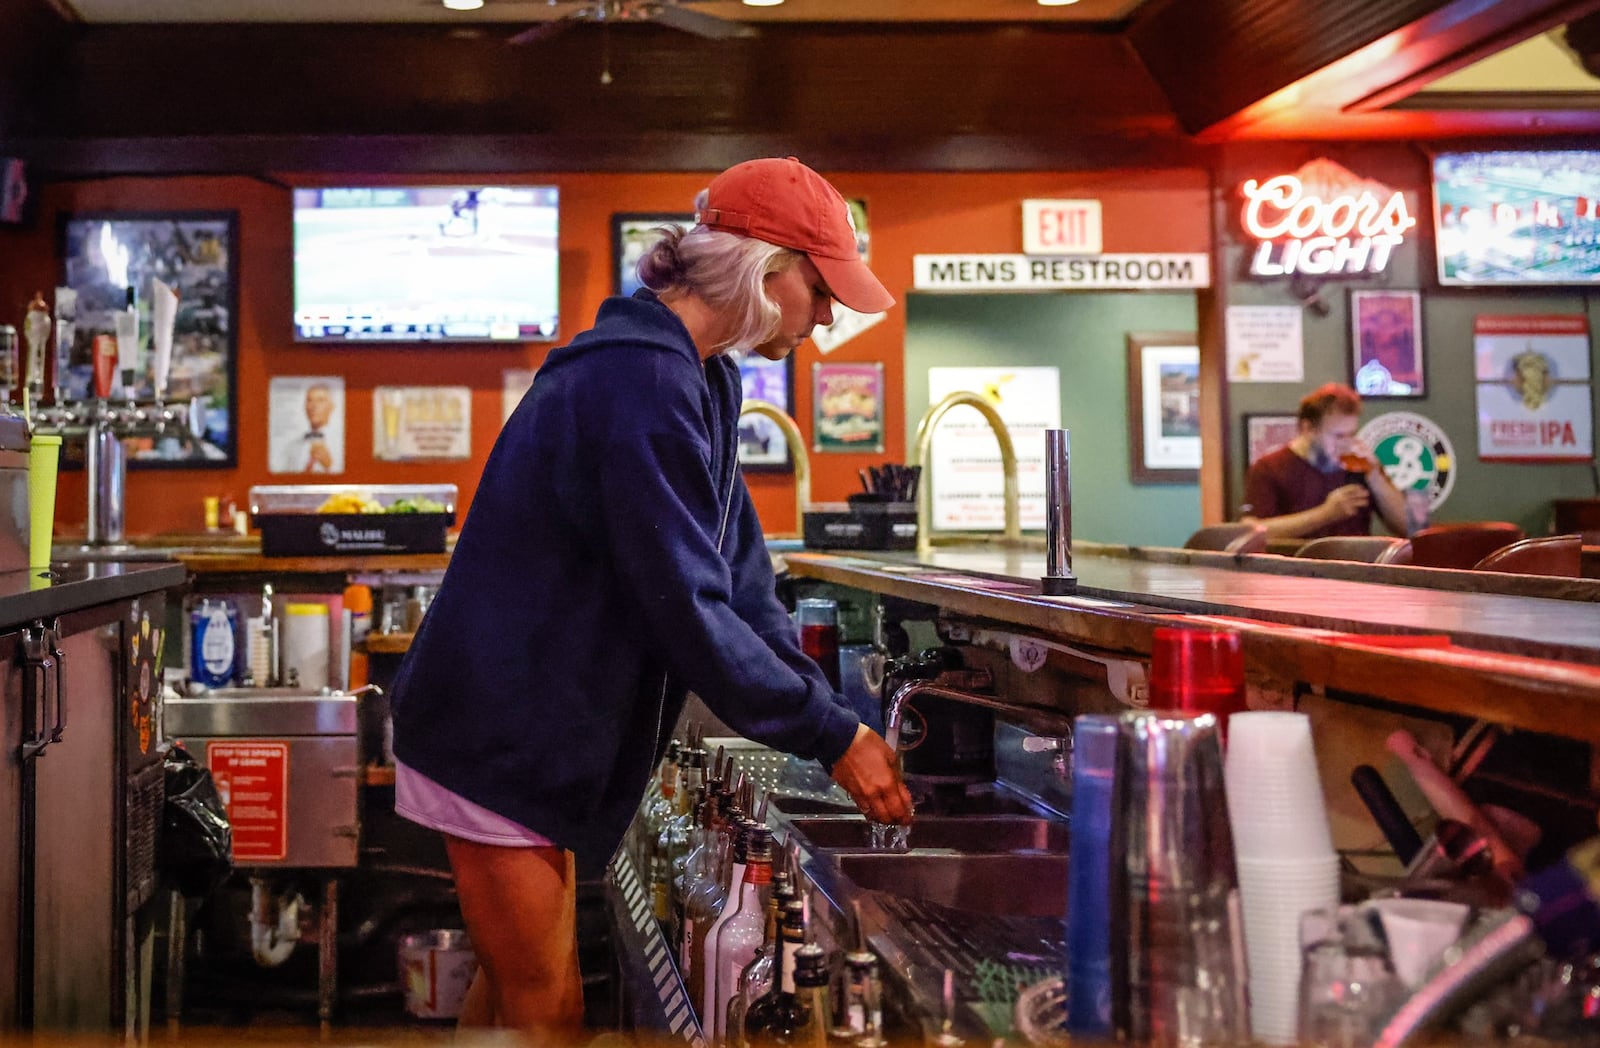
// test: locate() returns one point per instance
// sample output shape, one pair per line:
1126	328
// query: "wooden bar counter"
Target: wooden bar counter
1515	658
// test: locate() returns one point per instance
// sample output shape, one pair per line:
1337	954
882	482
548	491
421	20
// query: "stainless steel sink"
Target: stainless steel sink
977	833
809	806
1030	884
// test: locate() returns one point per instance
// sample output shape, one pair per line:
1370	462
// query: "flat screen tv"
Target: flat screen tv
459	263
1519	218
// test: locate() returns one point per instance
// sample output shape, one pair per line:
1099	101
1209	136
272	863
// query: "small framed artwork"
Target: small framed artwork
110	260
631	236
762	447
1164	407
847	406
1267	433
1386	358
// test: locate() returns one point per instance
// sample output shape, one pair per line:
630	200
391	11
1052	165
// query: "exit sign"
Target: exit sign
1061	227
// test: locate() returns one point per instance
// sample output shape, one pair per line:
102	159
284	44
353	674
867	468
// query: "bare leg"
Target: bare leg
520	908
477	1009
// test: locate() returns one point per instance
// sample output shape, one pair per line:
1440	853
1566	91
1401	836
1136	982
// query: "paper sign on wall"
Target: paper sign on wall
968	482
847	324
514	384
1534	400
421	422
253	781
1266	344
305	424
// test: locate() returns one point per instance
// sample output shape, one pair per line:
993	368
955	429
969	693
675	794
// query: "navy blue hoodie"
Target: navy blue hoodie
611	560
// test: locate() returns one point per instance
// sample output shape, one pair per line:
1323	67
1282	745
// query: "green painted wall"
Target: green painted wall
1520	493
1084	336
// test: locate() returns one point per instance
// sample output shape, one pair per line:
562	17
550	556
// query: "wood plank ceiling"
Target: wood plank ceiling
92	91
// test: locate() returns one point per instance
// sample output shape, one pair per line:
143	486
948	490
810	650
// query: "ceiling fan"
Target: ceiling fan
669	13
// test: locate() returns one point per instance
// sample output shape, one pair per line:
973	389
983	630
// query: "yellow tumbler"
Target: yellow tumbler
44	456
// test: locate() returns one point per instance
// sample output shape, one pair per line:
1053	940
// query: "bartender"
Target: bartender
1325	481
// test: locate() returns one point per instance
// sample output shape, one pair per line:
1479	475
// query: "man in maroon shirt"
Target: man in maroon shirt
1302	490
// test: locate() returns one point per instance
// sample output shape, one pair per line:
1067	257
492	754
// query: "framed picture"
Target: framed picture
631	235
1164	407
1386	358
1267	433
762	448
847	406
107	255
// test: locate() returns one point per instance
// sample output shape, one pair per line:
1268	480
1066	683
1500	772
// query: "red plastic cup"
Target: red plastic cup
1197	671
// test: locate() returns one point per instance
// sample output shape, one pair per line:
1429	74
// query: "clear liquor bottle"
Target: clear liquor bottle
674	836
700	890
739	939
755	981
656	808
705	958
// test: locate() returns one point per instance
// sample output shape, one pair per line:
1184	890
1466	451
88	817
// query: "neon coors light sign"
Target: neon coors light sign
1323	220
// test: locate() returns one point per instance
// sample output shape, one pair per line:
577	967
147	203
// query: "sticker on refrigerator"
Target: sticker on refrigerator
253	780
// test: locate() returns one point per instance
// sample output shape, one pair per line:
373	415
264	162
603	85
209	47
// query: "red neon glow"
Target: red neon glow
1280	207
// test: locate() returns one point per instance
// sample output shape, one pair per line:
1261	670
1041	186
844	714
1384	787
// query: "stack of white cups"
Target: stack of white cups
1285	857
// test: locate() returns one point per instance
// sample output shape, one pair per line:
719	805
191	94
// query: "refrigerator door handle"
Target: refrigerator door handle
59	655
37	662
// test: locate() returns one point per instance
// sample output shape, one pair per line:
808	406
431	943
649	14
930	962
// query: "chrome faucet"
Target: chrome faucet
924	448
1061	723
797	451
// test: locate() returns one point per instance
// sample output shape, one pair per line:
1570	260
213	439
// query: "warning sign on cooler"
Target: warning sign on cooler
253	779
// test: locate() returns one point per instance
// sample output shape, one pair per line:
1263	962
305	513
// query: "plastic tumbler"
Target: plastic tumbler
818	619
44	456
1088	962
1197	671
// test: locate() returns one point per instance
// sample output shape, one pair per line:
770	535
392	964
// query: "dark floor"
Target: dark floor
402	886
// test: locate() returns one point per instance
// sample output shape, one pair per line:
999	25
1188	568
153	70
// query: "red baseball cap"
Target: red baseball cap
784	202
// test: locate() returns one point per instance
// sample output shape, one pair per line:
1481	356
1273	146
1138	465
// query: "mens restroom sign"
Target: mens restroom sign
1121	272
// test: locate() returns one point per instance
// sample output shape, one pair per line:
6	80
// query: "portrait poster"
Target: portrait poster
1386	343
762	448
514	385
1267	433
1266	344
631	236
106	256
1164	408
1533	386
847	406
305	424
421	423
968	482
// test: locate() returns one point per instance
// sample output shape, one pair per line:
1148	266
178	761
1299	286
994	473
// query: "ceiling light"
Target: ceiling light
1056	3
762	3
463	5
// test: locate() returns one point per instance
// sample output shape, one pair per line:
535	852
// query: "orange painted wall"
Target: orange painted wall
909	214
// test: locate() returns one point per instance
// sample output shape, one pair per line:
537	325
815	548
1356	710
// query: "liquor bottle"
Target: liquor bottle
756	979
705	958
739	939
700	890
678	885
811	988
657	806
768	1018
673	839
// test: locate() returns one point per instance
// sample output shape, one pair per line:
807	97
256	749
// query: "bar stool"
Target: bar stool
1236	538
1368	549
1558	555
1461	545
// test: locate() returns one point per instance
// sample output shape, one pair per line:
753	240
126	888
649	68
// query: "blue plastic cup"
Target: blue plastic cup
1088	962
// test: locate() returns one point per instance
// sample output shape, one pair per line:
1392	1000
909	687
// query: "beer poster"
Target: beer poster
1534	400
421	423
847	405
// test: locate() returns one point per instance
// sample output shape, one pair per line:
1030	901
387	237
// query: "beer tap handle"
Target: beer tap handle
163	317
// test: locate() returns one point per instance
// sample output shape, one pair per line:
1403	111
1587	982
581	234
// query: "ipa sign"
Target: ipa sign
1061	227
